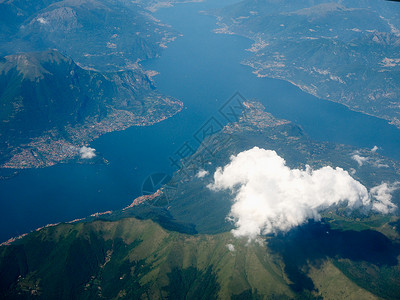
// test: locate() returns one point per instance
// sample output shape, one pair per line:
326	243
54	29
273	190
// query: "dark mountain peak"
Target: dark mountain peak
33	66
51	56
55	18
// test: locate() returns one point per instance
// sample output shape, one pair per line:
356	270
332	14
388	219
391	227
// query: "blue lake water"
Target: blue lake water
203	70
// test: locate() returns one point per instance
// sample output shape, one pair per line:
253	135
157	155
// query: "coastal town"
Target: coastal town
52	147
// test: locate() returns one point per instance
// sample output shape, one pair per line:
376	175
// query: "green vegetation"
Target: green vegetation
134	259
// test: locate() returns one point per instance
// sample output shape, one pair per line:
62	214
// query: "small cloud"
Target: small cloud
230	247
383	194
378	163
359	159
374	161
87	152
202	173
374	149
111	45
42	20
270	197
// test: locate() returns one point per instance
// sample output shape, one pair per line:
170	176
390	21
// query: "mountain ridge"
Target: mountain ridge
133	258
347	55
45	126
116	35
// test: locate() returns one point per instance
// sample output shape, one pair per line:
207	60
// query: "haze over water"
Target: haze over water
203	70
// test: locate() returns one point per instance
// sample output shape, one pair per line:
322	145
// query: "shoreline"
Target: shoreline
46	151
255	46
138	200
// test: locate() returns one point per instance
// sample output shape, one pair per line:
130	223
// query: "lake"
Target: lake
203	70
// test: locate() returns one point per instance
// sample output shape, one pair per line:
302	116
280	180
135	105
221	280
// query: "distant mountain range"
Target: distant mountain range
190	253
101	34
342	51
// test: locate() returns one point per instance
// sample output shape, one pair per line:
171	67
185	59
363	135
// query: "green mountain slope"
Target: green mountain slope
136	259
51	107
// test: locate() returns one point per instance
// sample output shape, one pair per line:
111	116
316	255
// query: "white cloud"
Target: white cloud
383	194
270	197
87	152
375	162
230	247
359	159
378	163
374	149
202	173
42	20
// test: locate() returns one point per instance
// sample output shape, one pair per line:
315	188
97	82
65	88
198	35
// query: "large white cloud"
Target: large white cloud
271	197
